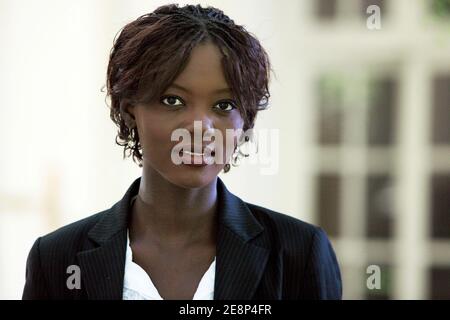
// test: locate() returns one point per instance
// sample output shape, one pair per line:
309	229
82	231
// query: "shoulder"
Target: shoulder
287	230
70	238
50	256
300	242
307	253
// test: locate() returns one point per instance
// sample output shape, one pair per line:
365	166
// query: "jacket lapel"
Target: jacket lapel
102	268
240	264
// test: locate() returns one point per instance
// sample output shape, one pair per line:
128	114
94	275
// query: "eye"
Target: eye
171	101
225	106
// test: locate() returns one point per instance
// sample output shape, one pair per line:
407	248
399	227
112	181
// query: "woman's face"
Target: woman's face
199	93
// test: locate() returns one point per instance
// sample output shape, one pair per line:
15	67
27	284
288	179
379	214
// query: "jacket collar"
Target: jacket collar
239	263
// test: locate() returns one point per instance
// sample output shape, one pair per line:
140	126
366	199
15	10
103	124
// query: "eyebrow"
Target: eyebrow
177	86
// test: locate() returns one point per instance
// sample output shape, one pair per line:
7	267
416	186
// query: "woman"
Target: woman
178	233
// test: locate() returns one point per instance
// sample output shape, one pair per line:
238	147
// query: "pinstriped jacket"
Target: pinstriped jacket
260	255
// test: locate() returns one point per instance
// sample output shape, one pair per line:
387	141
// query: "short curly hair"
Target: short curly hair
151	51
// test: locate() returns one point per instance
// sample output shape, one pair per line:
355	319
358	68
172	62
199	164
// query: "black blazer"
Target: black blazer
260	254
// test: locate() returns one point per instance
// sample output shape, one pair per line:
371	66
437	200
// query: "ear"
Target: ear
127	111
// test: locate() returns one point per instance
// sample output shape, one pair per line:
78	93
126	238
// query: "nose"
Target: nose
198	116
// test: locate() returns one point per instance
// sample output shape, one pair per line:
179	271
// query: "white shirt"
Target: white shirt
138	285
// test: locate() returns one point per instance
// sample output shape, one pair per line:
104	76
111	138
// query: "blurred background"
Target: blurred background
363	118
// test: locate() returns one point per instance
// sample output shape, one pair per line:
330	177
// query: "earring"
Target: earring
244	147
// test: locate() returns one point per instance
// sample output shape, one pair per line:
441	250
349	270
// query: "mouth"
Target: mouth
197	159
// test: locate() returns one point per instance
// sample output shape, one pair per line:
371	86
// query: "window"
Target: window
440	205
382	110
331	111
325	9
362	93
440	283
328	203
440	8
441	109
379	206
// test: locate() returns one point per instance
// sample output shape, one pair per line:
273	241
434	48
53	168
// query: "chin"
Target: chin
192	177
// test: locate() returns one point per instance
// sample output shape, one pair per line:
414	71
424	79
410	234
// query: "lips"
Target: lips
196	158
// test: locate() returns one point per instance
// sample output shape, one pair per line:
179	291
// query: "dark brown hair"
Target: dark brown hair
150	52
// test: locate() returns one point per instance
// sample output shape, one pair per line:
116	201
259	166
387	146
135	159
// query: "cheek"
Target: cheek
235	121
153	133
237	124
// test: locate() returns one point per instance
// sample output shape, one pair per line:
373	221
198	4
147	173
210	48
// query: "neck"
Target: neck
167	213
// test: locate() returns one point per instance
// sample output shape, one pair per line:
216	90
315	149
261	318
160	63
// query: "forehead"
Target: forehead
204	71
